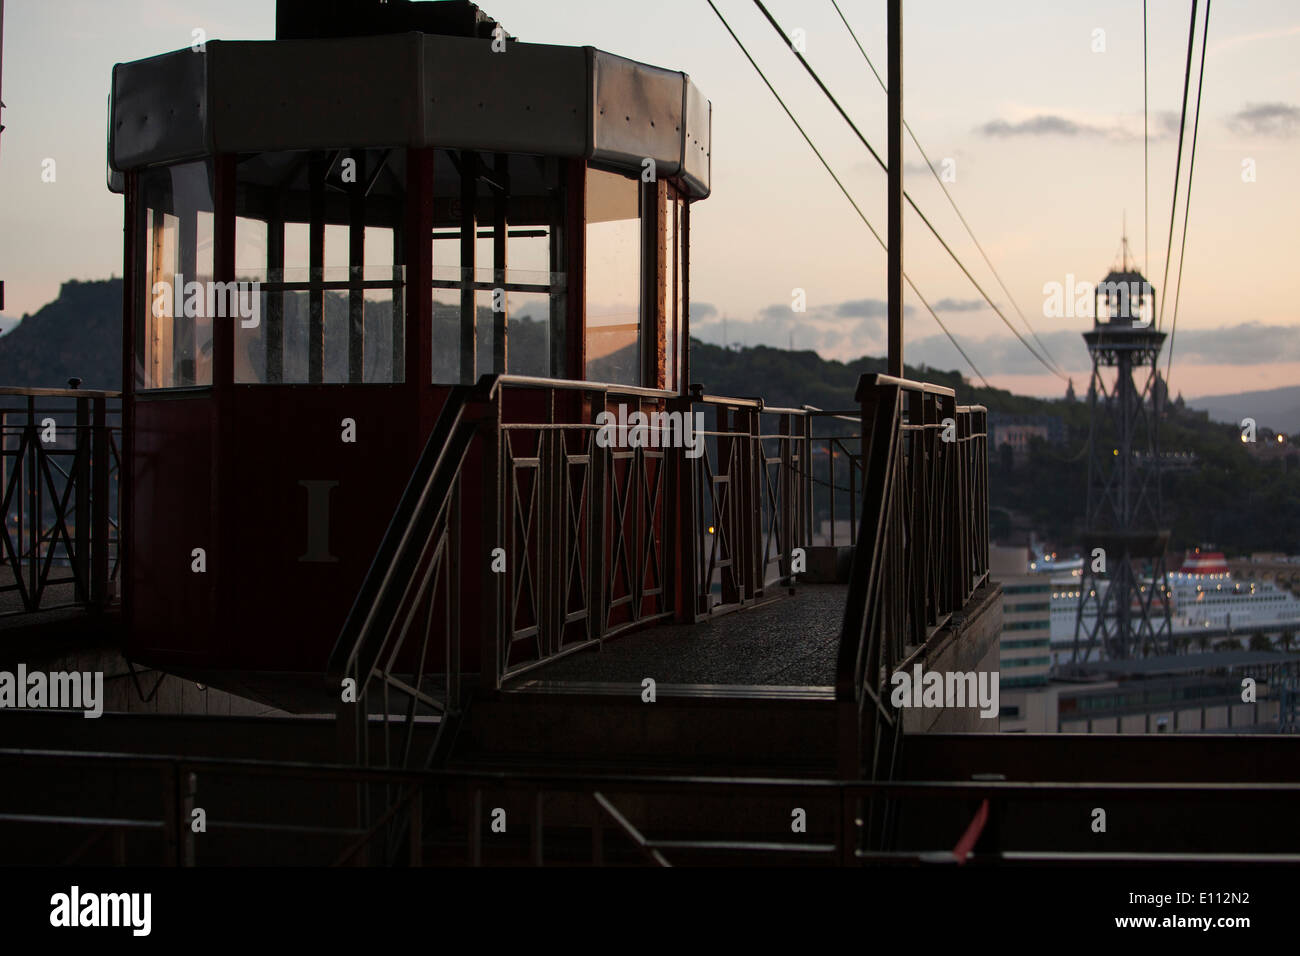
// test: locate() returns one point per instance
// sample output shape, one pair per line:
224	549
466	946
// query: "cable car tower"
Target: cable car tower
1124	597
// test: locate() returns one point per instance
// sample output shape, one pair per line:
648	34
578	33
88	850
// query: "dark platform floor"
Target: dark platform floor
790	642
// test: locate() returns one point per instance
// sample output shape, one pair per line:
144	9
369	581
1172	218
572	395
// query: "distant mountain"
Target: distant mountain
78	335
1275	408
1241	502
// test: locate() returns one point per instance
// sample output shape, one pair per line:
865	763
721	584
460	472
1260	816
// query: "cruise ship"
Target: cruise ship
1205	598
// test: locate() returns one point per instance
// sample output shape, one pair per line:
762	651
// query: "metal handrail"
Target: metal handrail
413	786
60	501
922	552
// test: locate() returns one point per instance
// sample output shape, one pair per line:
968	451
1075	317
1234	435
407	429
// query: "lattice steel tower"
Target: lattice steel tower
1124	606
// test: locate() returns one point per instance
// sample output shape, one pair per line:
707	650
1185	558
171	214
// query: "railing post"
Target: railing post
733	577
82	590
35	511
455	558
786	486
692	500
493	627
805	480
751	515
597	618
101	461
549	545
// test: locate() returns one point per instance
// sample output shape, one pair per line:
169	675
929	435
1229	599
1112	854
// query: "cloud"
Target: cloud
846	337
702	310
1040	125
1245	344
838	329
1266	119
863	308
958	305
1161	125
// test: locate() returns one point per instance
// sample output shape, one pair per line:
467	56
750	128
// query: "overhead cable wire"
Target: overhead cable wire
1146	155
844	190
952	202
925	219
1178	164
1187	203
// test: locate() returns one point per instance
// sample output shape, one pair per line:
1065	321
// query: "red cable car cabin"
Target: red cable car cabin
323	236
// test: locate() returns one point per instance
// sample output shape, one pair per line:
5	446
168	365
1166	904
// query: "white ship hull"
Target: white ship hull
1204	600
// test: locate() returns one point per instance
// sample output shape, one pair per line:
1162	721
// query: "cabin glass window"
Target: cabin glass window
672	266
498	271
173	346
613	333
318	248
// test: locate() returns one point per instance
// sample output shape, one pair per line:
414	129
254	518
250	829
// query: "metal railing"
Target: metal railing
59	466
757	495
180	785
584	532
922	553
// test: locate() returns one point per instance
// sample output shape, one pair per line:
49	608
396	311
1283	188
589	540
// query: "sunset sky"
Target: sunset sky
1045	135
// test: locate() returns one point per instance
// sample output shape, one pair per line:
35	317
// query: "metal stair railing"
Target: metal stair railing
416	557
921	553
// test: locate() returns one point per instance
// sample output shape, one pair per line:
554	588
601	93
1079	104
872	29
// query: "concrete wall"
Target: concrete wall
970	645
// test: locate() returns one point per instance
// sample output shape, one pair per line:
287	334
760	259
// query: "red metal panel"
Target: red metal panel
170	614
287	604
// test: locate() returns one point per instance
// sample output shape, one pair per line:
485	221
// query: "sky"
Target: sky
1037	115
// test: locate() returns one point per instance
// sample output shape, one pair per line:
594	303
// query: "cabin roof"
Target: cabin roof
413	90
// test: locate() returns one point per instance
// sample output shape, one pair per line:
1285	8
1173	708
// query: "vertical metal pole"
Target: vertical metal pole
82	522
500	205
492	627
684	240
397	320
788	520
275	300
356	272
597	566
99	505
316	274
454	601
894	14
468	240
35	507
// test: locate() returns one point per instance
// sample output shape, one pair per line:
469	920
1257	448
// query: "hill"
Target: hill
78	335
1239	501
1276	408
